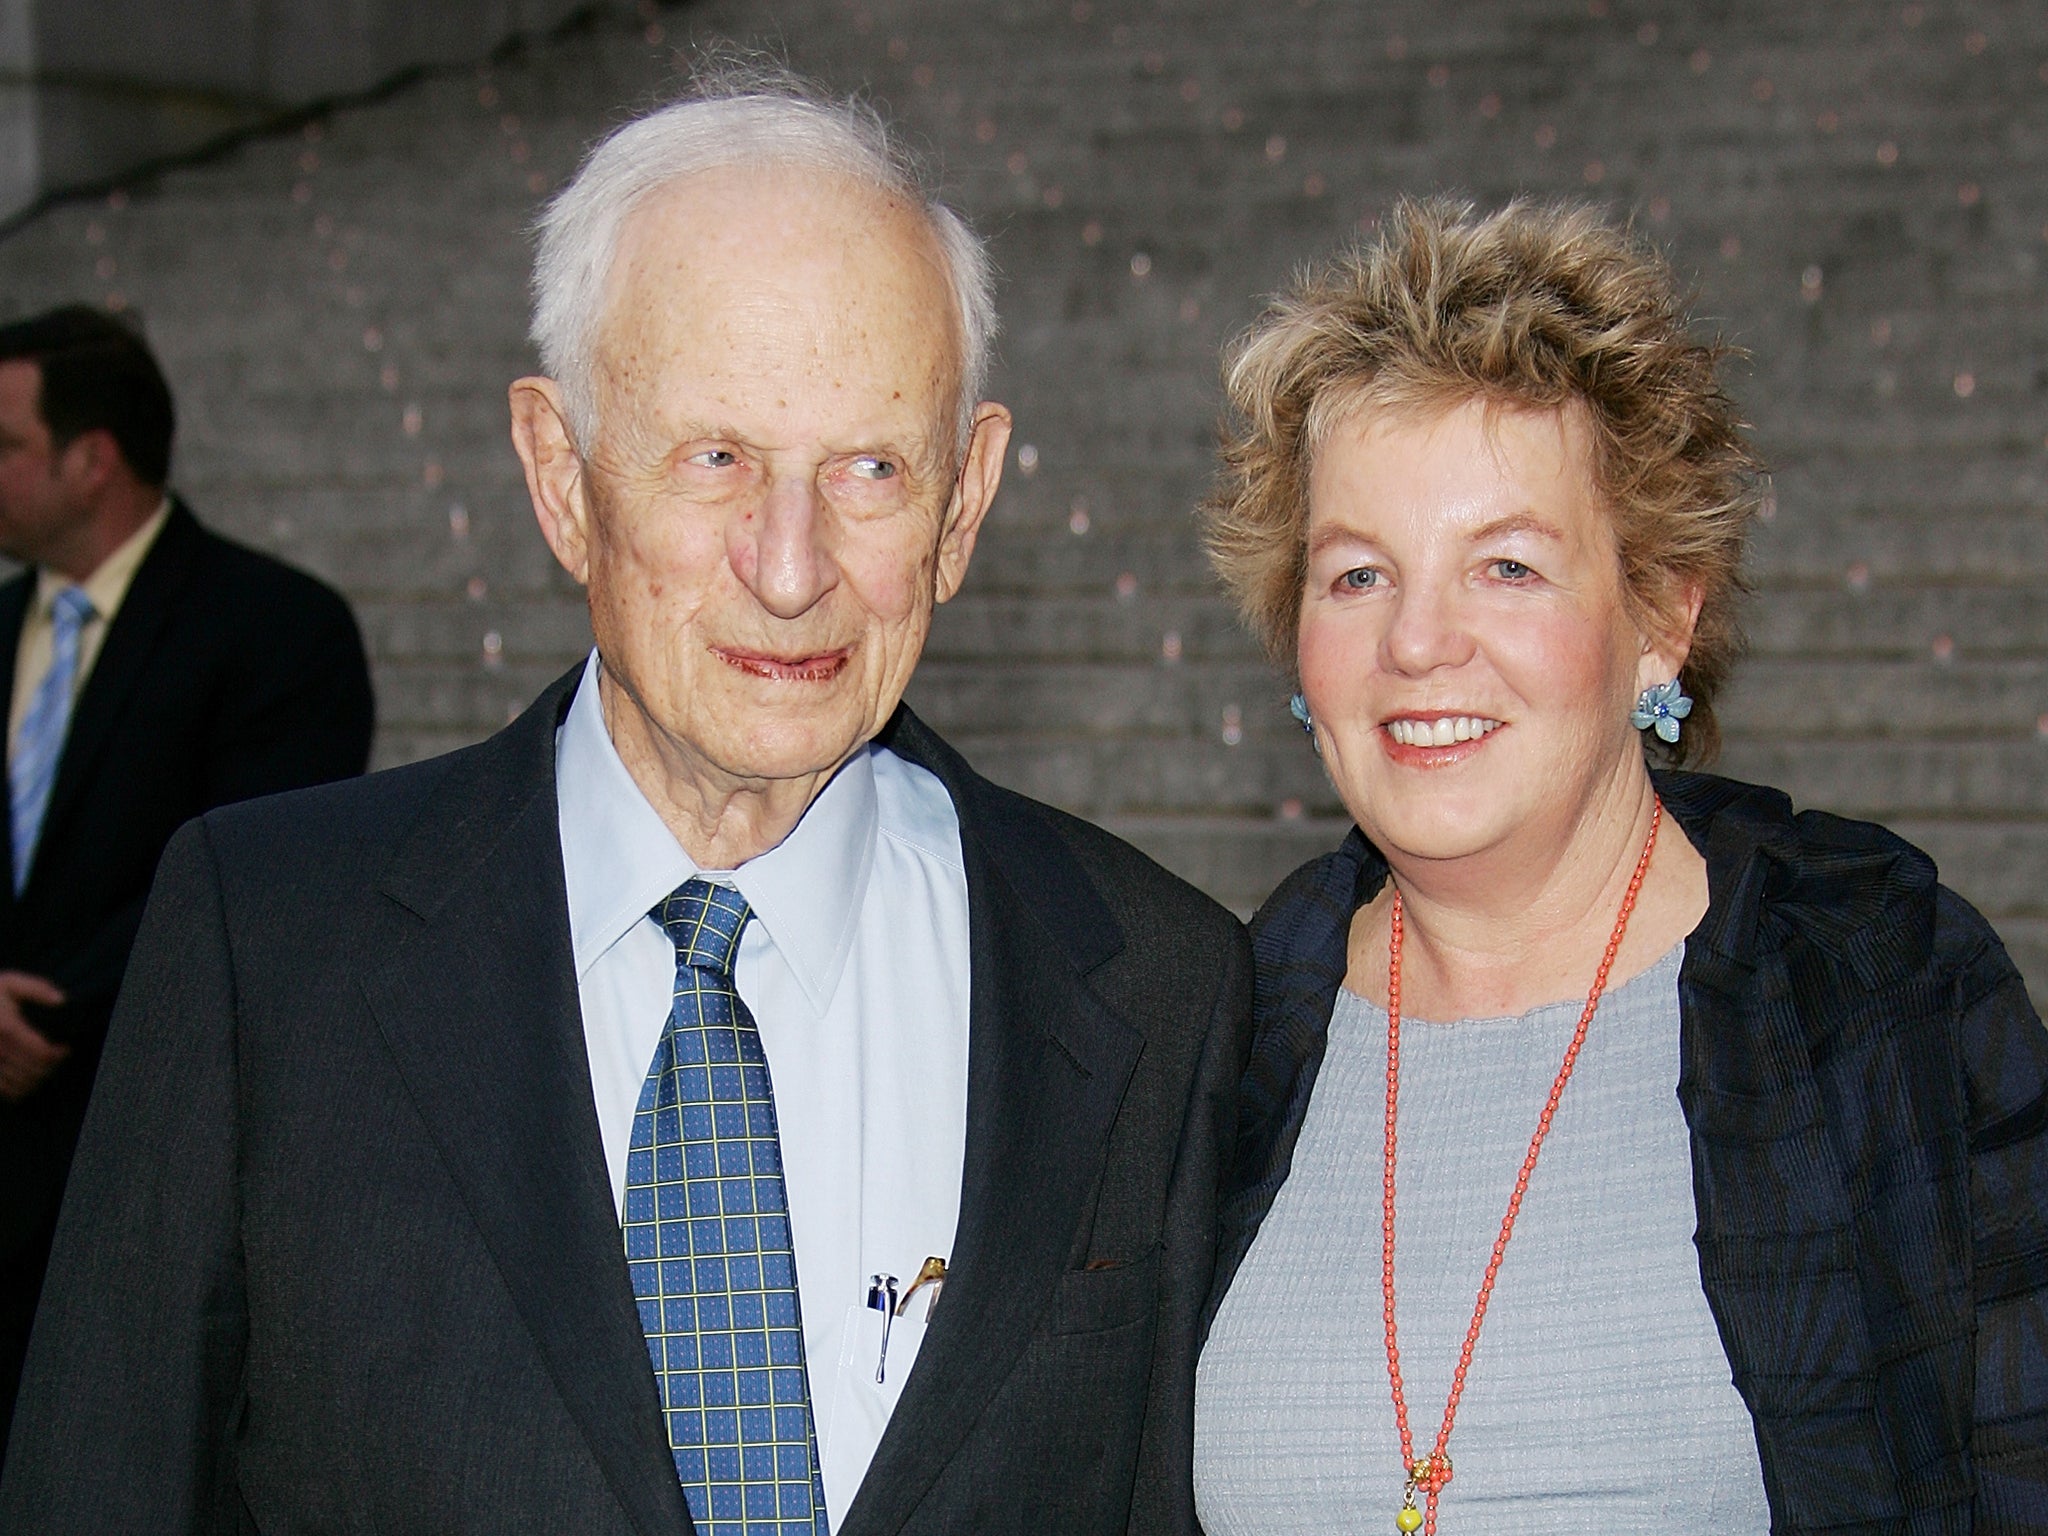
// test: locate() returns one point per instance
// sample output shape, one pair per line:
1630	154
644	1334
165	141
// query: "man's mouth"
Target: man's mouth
810	667
1439	730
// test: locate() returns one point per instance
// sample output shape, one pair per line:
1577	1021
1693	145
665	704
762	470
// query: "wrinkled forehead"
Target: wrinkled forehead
778	266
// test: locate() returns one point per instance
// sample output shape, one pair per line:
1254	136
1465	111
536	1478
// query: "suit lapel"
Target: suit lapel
123	659
478	1003
14	600
1047	1066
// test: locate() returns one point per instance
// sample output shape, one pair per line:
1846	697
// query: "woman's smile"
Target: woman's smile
1429	740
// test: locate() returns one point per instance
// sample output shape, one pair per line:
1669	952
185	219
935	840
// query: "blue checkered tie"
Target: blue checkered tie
39	744
708	1245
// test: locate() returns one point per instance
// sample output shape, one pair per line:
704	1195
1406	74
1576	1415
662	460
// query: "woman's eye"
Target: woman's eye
715	458
870	468
1359	578
1512	570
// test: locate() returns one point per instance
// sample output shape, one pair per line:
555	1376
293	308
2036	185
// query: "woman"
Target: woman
1487	499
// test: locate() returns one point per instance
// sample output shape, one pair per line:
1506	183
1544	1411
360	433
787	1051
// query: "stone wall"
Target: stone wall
1859	191
92	91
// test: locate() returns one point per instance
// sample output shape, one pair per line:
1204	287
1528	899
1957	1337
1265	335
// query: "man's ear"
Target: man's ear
554	472
1665	651
90	460
981	471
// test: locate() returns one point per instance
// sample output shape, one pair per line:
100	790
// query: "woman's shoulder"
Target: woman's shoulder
1300	937
1716	810
1848	889
1317	901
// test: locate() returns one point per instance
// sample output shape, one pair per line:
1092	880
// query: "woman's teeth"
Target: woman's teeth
1445	732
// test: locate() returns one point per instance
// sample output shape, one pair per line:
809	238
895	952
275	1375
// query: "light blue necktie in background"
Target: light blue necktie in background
39	745
708	1245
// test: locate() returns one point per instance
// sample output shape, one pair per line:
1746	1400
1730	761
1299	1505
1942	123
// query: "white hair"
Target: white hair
736	114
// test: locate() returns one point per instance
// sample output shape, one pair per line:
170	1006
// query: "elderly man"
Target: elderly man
707	1104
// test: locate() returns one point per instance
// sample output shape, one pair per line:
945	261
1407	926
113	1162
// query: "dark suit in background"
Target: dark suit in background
224	675
371	1277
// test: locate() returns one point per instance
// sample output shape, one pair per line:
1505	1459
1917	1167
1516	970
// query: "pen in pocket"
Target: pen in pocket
882	1299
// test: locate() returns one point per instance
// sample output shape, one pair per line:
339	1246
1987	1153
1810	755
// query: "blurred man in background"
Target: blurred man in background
157	671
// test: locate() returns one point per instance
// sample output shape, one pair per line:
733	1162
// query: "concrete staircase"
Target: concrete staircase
1859	191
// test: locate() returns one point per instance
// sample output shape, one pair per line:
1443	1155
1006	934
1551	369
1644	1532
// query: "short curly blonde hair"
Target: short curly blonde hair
1543	306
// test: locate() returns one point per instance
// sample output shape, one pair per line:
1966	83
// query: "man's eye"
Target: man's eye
1512	570
1359	578
869	467
715	458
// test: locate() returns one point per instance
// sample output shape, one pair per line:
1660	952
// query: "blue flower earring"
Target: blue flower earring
1298	707
1659	709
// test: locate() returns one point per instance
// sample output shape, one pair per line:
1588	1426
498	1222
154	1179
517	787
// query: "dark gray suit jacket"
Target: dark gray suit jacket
340	1252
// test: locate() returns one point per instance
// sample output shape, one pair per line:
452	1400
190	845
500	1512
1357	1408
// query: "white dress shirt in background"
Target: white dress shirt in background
855	967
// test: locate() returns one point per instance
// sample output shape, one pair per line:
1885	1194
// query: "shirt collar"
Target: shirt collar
108	585
620	859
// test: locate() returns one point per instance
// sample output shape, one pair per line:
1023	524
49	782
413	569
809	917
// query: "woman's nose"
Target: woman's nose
1424	632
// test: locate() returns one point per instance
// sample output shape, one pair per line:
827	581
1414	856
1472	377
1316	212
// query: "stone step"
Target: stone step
1886	780
1236	859
1899	546
2002	869
390	509
456	629
1166	560
418	700
2000	866
1856	701
2026	941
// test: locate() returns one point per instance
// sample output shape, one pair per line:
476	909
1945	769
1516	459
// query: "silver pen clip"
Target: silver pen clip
882	1299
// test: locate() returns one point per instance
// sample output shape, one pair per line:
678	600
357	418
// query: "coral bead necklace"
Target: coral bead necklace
1430	1473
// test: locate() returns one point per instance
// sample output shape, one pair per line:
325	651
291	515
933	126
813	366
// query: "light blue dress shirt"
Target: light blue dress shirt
855	967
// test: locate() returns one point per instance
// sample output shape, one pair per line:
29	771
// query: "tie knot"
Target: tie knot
704	922
70	608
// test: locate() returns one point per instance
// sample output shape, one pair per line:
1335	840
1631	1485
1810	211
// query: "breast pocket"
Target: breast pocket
860	1406
1098	1300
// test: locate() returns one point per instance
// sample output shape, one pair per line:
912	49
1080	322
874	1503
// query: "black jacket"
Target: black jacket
340	1251
1866	1088
223	675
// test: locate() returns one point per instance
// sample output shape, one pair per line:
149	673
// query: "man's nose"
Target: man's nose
786	557
1425	631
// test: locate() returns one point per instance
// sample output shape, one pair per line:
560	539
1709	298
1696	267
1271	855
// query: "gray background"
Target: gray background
1859	192
92	88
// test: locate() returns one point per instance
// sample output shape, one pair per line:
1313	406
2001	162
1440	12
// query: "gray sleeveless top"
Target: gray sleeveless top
1599	1396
